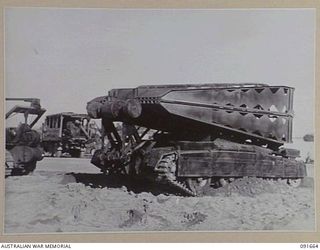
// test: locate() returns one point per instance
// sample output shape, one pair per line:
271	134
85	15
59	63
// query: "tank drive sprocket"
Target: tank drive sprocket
166	174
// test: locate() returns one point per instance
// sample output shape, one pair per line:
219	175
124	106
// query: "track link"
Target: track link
165	174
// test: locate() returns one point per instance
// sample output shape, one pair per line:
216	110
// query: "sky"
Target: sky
66	57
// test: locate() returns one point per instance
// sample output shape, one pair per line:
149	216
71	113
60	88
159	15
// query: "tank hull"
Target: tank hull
185	161
201	133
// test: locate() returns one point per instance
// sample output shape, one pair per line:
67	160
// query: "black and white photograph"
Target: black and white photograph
159	120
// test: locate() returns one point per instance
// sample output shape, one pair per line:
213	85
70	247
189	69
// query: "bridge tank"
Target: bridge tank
203	131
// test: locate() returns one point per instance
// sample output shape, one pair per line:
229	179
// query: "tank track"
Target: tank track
14	169
9	164
165	174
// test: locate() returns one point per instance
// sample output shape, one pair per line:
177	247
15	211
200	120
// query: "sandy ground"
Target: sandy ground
54	200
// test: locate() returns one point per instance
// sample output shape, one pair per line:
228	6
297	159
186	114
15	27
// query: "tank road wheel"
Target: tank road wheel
198	185
294	182
223	182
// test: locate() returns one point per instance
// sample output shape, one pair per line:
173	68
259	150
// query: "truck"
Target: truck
69	133
23	148
203	135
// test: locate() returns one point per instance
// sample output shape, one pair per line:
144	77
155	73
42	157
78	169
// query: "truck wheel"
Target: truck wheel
30	167
82	153
75	154
58	153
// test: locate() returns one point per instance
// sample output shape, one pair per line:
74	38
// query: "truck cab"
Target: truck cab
66	132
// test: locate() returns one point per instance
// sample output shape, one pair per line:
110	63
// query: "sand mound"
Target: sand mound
56	203
251	186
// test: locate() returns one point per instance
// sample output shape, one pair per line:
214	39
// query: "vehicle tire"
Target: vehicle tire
92	151
75	153
58	153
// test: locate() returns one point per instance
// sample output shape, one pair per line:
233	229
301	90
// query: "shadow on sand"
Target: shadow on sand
119	181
